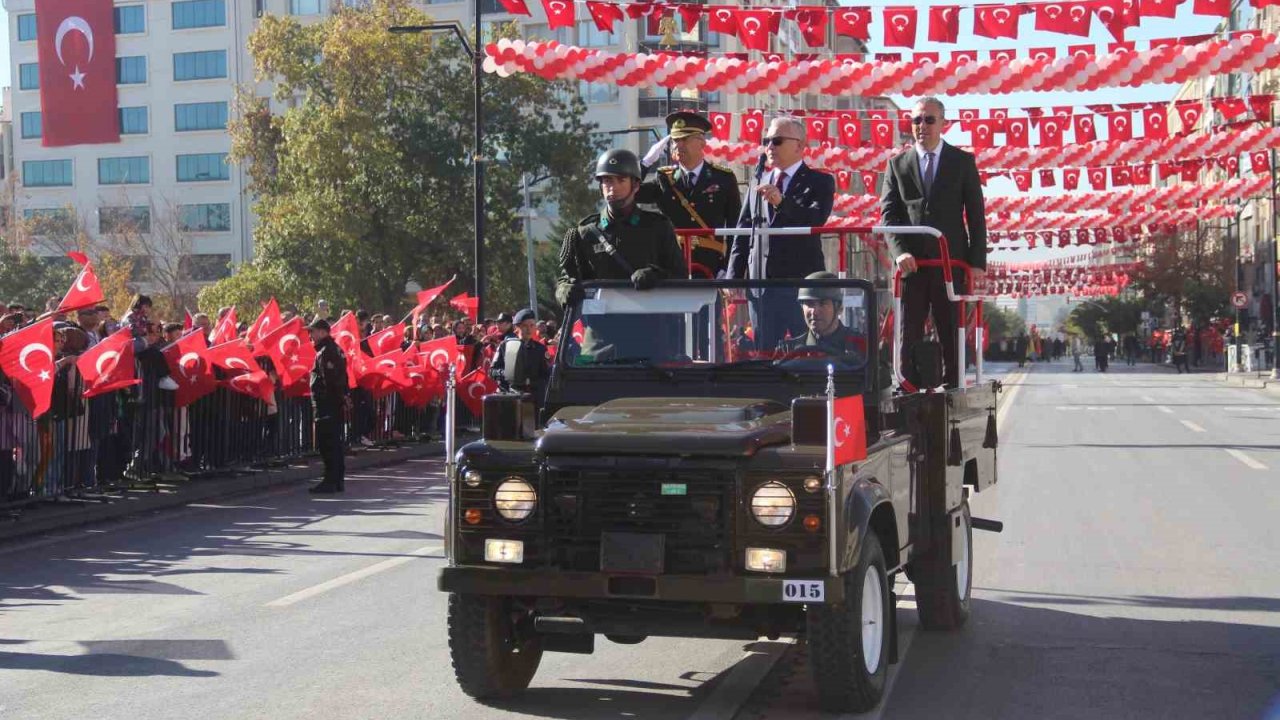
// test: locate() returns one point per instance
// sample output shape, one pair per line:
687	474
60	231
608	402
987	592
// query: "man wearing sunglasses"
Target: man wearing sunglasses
790	194
936	185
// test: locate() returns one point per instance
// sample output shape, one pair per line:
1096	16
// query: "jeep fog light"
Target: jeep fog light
504	551
766	560
772	504
472	478
515	499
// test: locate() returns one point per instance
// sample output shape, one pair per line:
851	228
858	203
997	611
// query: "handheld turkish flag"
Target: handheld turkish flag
108	366
441	353
189	368
76	45
425	297
254	384
268	321
346	333
578	332
26	356
233	356
384	341
290	352
85	291
464	303
187	321
473	387
225	330
848	430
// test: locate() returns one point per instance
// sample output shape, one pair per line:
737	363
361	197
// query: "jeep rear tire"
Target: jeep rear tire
491	658
942	588
849	643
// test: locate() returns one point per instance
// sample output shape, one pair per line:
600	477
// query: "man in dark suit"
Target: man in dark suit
936	185
692	193
792	194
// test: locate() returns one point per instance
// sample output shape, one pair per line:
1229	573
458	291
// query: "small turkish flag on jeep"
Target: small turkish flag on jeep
849	430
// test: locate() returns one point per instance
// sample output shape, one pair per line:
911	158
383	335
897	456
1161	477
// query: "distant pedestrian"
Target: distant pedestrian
1178	348
330	401
1077	349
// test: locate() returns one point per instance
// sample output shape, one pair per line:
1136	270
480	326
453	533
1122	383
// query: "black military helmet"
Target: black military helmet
622	163
834	294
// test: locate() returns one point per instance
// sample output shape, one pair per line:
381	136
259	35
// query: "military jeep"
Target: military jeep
672	481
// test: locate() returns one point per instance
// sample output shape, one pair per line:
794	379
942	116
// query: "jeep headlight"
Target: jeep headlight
515	499
773	504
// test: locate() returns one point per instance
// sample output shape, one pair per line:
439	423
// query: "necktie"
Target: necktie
690	179
928	173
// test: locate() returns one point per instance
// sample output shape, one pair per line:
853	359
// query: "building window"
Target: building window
46	173
206	267
304	7
201	65
29	76
26	27
199	116
124	170
199	13
133	120
120	220
597	93
50	214
130	19
207	217
131	70
590	36
31	125
202	167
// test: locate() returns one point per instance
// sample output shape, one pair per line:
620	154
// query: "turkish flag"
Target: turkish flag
1004	56
900	26
1140	175
753	28
516	7
752	126
817	128
850	130
849	430
290	351
1120	176
853	22
256	384
720	125
904	122
85	291
189	368
384	341
346	333
868	180
1047	179
473	387
1043	54
1051	130
961	57
944	23
1117	15
1261	106
1260	161
440	353
1022	180
232	356
721	20
76	44
1120	125
268	321
1214	8
464	303
26	357
1086	131
844	179
1230	107
187	321
559	13
1098	178
982	133
1070	178
812	22
426	297
225	330
1189	111
996	21
605	15
1158	8
1064	18
108	365
882	133
1154	123
1016	132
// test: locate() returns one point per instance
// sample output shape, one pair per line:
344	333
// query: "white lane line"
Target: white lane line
1008	398
1164	409
351	577
731	693
1244	458
1192	426
1148	399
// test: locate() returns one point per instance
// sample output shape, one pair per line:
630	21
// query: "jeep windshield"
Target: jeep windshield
779	328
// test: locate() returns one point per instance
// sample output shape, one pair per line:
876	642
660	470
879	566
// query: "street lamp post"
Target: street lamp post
477	150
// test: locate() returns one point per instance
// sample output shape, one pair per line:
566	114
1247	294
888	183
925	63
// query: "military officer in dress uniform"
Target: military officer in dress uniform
821	307
693	193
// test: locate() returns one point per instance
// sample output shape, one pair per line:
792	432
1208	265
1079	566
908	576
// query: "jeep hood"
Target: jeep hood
668	426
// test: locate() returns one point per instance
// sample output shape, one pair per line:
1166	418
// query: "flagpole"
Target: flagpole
450	440
832	513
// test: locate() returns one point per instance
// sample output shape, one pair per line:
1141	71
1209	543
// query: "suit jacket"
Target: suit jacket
954	206
807	203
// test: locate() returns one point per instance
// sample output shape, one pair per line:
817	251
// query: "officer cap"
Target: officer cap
685	124
834	294
319	324
525	314
622	163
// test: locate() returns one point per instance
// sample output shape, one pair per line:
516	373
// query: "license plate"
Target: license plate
805	591
632	553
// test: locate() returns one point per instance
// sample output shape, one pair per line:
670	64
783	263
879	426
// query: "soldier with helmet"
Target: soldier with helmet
622	243
821	308
693	193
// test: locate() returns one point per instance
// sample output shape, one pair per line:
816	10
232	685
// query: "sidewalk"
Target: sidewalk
68	513
1257	380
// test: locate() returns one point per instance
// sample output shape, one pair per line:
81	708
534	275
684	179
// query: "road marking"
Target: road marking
1192	426
1251	408
1148	399
1164	409
730	694
1085	407
1014	383
351	577
1244	458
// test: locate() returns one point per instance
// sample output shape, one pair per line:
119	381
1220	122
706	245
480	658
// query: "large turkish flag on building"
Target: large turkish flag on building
77	45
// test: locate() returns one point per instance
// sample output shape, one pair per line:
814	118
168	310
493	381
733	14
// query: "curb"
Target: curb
134	503
1249	381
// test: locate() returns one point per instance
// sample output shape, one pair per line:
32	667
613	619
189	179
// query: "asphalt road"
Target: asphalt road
1135	578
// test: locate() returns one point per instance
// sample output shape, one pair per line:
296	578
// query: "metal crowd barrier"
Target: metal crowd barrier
136	439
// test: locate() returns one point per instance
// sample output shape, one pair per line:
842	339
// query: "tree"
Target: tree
1002	323
366	184
1097	317
1188	271
31	280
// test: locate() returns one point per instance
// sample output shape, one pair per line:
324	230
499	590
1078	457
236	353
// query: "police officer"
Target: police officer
821	308
330	401
521	361
693	193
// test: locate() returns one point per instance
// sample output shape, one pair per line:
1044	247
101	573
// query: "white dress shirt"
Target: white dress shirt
783	182
923	158
694	173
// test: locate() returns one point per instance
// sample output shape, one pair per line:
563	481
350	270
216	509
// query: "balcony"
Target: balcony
660	107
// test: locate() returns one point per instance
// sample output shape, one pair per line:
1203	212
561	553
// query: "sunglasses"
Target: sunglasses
926	119
776	141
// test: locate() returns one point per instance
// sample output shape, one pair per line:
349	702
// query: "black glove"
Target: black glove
645	278
569	294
